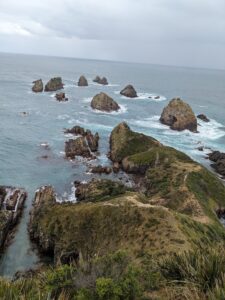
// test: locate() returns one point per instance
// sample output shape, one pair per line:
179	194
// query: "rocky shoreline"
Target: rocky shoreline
11	202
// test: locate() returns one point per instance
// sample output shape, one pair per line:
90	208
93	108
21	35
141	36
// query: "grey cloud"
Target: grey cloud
137	30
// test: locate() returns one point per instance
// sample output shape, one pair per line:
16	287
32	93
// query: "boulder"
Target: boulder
104	103
203	118
100	80
54	84
100	170
82	81
38	86
77	147
61	97
179	116
129	91
76	130
219	162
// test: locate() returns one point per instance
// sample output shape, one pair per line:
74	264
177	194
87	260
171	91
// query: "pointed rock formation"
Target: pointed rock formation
179	116
129	91
104	103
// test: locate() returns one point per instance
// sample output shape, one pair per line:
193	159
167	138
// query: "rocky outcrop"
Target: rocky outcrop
92	140
124	142
98	190
77	147
61	97
104	103
82	81
179	116
100	80
219	162
89	141
76	130
100	170
11	207
38	86
54	84
129	91
203	118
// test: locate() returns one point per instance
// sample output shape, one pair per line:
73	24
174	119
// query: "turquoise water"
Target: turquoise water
21	136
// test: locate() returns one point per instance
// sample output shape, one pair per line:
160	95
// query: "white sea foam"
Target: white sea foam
212	130
122	110
145	96
87	100
63	117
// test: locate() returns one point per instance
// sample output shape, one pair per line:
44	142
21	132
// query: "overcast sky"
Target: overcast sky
172	32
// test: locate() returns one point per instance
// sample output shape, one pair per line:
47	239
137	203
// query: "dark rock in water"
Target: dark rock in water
11	204
157	97
216	155
38	86
61	97
219	162
104	103
129	91
100	170
77	147
100	80
98	190
90	139
82	81
203	118
200	148
76	130
179	116
54	84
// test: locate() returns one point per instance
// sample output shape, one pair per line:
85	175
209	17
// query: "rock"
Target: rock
200	148
100	170
116	167
38	86
124	142
82	81
157	97
102	80
12	203
129	91
179	116
92	141
98	190
104	103
61	97
203	118
219	162
54	84
76	130
77	147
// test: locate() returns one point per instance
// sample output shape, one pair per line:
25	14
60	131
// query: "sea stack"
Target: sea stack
82	81
54	84
100	80
129	91
104	103
38	86
179	116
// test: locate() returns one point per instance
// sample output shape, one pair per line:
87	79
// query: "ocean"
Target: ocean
22	137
